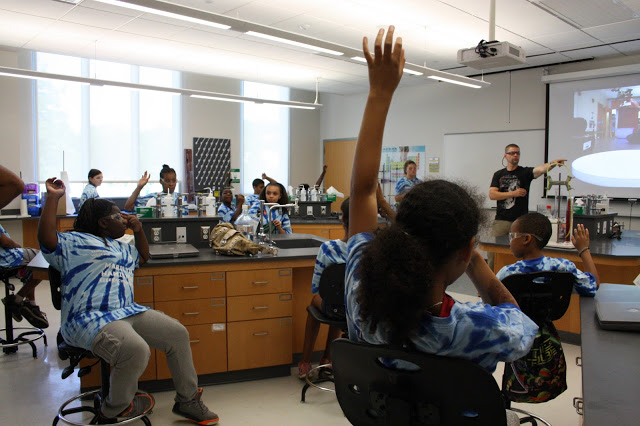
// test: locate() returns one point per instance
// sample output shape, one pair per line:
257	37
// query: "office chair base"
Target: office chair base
97	418
30	335
530	417
325	374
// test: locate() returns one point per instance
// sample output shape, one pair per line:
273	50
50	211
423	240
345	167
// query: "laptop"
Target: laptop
618	307
172	250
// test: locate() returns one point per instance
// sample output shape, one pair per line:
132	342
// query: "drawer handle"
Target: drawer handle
579	361
255	308
259	282
264	333
194	341
191	287
578	404
191	313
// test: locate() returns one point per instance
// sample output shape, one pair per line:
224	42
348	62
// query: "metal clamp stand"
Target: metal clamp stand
559	183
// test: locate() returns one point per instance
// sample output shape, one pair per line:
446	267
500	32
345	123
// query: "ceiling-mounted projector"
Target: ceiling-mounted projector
491	54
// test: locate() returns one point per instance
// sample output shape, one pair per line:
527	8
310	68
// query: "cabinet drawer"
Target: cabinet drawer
208	347
243	283
200	311
260	306
260	343
188	286
143	289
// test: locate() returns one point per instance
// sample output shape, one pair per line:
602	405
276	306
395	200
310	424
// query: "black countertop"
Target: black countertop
627	247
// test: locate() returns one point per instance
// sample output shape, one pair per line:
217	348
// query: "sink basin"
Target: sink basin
297	243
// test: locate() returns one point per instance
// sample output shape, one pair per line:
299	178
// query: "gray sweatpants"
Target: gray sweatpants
125	345
500	227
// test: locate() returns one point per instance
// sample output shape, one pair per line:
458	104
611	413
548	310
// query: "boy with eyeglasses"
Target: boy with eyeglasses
510	188
528	237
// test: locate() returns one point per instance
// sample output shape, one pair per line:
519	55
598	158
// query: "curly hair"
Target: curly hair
434	220
536	224
91	211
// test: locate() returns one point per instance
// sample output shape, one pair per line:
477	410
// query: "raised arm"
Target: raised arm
321	178
270	179
47	231
385	72
384	208
542	169
489	287
238	212
10	186
580	240
130	205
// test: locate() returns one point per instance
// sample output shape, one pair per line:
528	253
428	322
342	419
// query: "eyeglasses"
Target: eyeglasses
513	153
514	235
113	216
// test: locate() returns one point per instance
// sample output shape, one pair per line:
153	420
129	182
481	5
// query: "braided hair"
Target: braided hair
91	211
434	220
166	170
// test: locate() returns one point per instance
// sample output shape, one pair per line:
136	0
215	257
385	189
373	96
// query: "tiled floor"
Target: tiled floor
31	391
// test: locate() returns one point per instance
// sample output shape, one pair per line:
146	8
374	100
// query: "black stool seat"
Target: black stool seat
10	344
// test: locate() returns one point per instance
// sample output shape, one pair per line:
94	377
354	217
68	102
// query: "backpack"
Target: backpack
541	375
226	240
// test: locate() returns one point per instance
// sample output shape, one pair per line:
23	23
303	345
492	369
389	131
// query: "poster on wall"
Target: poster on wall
393	158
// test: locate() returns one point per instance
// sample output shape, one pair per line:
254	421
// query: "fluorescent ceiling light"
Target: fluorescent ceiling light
412	72
407	70
448	80
38	75
165	13
293	43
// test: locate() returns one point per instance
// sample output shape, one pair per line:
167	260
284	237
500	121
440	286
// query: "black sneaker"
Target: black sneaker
196	411
13	307
142	404
33	314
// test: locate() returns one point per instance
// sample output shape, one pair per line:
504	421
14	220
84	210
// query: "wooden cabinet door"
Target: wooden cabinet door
260	343
243	283
143	289
199	311
338	155
208	348
259	306
189	286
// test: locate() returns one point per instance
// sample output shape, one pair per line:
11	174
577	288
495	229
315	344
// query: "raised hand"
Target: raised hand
580	237
144	180
55	187
386	66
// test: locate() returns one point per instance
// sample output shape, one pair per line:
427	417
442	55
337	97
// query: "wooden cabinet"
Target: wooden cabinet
244	308
188	286
329	231
260	343
242	283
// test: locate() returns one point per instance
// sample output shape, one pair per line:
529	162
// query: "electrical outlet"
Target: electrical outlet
156	235
323	210
204	232
181	234
309	210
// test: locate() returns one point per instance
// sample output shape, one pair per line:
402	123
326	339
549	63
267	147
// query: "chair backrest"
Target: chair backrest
542	296
443	391
331	287
55	281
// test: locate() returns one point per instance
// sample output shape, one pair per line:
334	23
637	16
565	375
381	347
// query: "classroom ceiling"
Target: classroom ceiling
550	32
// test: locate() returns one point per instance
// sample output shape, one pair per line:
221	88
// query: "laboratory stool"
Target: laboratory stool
75	355
28	335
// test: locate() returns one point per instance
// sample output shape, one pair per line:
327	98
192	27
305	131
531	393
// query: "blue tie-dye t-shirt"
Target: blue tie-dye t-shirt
276	214
478	332
404	185
334	251
97	284
253	201
226	212
584	284
9	257
89	191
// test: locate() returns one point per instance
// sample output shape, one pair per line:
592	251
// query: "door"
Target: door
338	156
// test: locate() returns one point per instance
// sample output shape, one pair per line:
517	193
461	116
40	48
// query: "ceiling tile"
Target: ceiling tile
591	52
17	28
151	28
621	31
97	18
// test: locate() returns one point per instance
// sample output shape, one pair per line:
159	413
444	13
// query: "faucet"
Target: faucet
158	207
269	208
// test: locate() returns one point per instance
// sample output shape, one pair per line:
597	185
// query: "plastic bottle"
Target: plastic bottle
303	194
314	194
167	208
547	212
210	201
245	223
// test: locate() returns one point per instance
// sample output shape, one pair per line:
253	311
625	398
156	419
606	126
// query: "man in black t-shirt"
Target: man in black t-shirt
510	188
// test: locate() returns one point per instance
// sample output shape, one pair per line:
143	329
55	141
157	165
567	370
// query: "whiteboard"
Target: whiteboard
475	157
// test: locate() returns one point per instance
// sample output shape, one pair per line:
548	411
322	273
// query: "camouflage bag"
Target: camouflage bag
226	240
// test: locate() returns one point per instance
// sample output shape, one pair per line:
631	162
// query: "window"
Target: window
265	136
121	132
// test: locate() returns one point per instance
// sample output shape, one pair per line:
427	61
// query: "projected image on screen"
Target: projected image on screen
595	125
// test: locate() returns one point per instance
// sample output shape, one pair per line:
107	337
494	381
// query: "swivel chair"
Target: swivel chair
31	334
331	289
544	297
75	355
439	391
